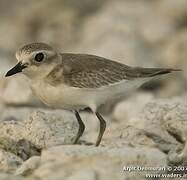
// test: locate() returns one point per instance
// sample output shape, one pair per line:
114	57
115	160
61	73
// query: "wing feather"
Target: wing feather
89	71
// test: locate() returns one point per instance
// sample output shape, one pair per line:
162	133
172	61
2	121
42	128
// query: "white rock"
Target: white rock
6	176
165	121
11	129
144	120
8	161
103	163
28	166
165	116
46	129
131	107
40	130
125	135
84	175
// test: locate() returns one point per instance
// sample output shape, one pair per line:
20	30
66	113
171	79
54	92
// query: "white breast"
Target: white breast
66	97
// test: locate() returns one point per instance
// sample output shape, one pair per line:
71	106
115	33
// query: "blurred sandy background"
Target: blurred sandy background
149	33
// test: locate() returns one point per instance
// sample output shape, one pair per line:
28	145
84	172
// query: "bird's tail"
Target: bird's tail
150	72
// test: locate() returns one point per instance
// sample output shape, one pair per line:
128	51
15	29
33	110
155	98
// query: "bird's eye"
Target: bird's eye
39	57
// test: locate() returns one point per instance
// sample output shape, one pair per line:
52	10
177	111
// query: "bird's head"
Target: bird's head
35	60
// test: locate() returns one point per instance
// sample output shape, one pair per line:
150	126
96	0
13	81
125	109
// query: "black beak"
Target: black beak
16	69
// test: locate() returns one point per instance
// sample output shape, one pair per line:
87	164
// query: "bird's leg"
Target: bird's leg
81	127
102	128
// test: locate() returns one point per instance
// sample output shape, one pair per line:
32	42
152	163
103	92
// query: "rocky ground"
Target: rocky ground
146	129
36	143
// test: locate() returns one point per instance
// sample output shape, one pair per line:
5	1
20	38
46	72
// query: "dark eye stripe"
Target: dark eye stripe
39	57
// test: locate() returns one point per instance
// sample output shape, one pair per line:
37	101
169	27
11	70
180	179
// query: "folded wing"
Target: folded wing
89	71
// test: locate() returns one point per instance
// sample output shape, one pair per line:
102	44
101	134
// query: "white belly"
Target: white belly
66	97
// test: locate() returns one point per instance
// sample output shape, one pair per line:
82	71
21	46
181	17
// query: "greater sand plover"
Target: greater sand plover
78	81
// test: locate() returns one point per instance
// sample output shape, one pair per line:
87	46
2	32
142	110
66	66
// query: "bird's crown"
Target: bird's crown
32	47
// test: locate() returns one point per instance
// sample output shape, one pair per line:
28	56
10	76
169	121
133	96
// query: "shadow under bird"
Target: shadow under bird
78	81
